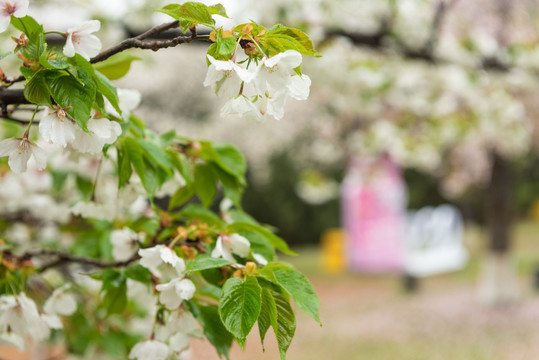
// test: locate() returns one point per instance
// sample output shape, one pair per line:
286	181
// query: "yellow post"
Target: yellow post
333	251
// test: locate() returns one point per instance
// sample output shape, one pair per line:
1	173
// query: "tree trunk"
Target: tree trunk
499	283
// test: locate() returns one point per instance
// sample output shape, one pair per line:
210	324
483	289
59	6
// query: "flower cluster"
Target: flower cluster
20	317
271	81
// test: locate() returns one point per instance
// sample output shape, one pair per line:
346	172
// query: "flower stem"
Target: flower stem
31	121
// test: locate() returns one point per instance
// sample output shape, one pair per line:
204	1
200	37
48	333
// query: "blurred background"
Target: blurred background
408	182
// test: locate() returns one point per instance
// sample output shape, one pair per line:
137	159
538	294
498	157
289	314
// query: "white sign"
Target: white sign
434	241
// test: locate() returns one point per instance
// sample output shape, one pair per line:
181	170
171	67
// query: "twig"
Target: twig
140	41
63	257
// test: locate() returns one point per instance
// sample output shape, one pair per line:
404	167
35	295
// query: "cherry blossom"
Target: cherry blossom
19	315
17	8
102	131
152	258
149	350
56	128
277	70
80	40
175	291
124	243
226	245
225	77
60	302
19	151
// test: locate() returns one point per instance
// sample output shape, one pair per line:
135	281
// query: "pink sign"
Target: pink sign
373	212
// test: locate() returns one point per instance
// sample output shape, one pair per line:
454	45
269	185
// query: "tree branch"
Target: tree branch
63	257
140	41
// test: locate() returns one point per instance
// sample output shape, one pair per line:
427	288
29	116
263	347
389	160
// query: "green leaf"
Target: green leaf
194	211
214	51
301	290
214	330
218	9
205	184
55	64
138	273
181	196
192	12
281	38
206	262
115	288
286	323
239	306
77	96
156	154
145	171
85	186
225	46
268	314
181	163
27	25
37	91
116	66
274	240
230	159
108	90
124	164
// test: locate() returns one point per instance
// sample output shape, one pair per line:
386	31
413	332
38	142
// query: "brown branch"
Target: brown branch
140	41
63	257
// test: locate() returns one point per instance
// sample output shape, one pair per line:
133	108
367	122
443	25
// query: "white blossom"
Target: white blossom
149	350
152	258
277	70
56	128
244	107
19	151
124	243
102	131
226	245
80	40
175	291
179	342
128	100
11	338
19	314
225	77
17	8
60	303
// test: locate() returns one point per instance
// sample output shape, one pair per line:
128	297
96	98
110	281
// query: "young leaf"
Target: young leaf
218	9
281	38
301	290
239	306
116	66
192	13
206	262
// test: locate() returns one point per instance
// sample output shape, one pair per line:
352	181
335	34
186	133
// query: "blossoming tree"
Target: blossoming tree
439	85
110	243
